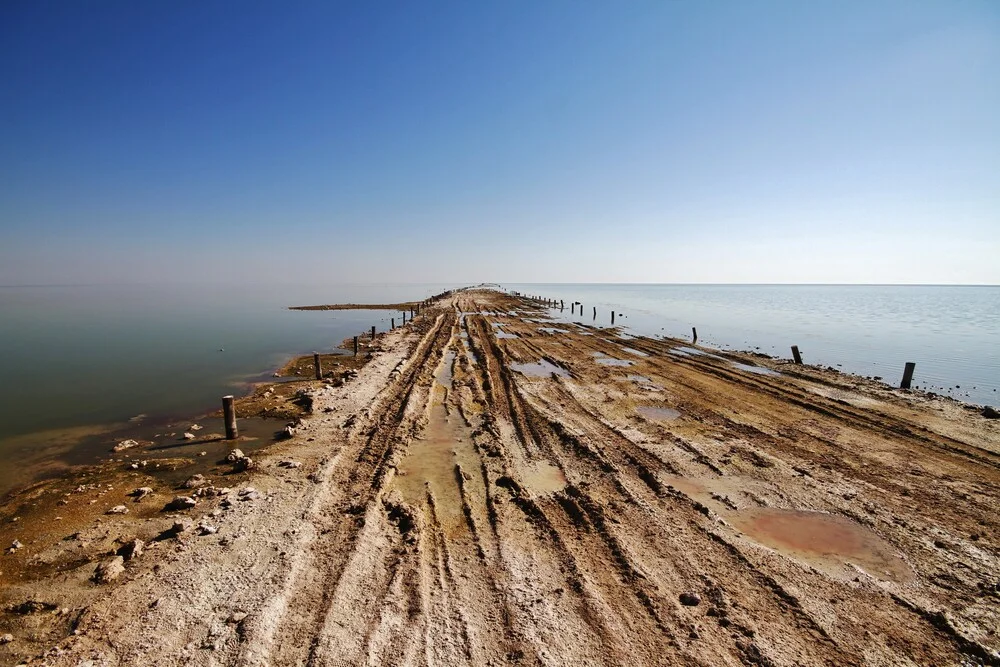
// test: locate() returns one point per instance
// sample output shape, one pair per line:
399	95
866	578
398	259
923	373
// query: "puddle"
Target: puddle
430	461
685	351
759	370
542	478
826	541
611	361
656	412
641	379
542	369
552	330
637	353
503	334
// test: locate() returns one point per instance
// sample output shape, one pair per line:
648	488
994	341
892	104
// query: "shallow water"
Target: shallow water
951	332
542	369
657	412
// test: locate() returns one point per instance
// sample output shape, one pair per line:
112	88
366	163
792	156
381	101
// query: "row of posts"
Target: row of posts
228	402
796	355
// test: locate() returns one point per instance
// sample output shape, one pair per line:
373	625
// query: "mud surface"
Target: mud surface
475	500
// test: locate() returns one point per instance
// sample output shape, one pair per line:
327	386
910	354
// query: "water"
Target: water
951	332
78	358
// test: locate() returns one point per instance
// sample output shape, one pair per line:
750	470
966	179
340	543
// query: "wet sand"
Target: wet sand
531	498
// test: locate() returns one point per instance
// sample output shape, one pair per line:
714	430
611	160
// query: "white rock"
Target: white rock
109	570
236	455
124	444
181	503
118	509
195	481
188	436
6	638
141	493
195	427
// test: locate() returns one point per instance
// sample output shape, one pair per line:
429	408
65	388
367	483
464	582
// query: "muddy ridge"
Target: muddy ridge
489	490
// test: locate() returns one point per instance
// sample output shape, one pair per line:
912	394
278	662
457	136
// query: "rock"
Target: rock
132	549
290	464
180	526
205	529
118	509
202	453
195	481
209	491
991	413
285	433
236	617
689	599
195	427
180	503
249	493
188	436
235	455
109	570
124	444
8	638
140	493
243	464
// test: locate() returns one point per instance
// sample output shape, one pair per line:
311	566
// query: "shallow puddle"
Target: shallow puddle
611	361
759	370
685	351
503	334
430	461
826	541
656	412
552	330
542	369
542	478
637	353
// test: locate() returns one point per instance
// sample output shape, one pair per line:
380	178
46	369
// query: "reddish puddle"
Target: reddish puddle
826	541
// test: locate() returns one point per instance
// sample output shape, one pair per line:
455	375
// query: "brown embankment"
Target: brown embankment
485	492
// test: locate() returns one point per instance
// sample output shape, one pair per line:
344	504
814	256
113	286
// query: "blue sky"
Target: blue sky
503	141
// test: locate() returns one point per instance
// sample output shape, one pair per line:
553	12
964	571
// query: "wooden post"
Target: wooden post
907	375
319	369
355	346
404	318
373	333
796	355
562	305
595	312
229	413
392	322
612	318
694	335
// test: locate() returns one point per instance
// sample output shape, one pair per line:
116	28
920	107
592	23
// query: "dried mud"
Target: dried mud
452	510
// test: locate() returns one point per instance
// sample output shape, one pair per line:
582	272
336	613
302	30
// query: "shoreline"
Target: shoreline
362	429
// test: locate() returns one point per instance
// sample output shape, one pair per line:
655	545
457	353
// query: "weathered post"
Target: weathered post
796	355
373	333
404	318
595	312
694	335
355	346
562	305
392	323
229	414
612	318
907	375
319	368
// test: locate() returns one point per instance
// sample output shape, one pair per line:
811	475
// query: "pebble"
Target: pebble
689	599
205	529
236	617
109	570
118	509
188	436
180	503
124	444
141	493
6	638
195	427
235	455
132	549
195	481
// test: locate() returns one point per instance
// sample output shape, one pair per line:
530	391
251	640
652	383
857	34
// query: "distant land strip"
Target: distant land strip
359	306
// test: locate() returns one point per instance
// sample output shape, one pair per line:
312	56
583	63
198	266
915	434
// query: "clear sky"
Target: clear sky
661	141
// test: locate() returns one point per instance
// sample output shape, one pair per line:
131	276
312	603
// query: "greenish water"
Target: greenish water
79	358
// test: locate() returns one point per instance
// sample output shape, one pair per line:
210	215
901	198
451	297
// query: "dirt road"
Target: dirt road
492	491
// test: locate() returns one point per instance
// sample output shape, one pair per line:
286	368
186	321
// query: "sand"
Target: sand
444	508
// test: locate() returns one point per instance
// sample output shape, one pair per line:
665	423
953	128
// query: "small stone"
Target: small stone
14	546
6	638
195	481
249	493
109	570
689	599
188	436
205	529
195	427
243	464
991	413
140	493
235	455
180	526
236	617
290	464
132	549
124	444
180	503
202	453
118	509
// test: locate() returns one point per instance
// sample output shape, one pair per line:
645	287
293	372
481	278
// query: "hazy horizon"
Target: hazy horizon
772	142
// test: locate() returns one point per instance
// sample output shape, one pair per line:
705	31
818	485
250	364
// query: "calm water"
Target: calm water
950	332
82	356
